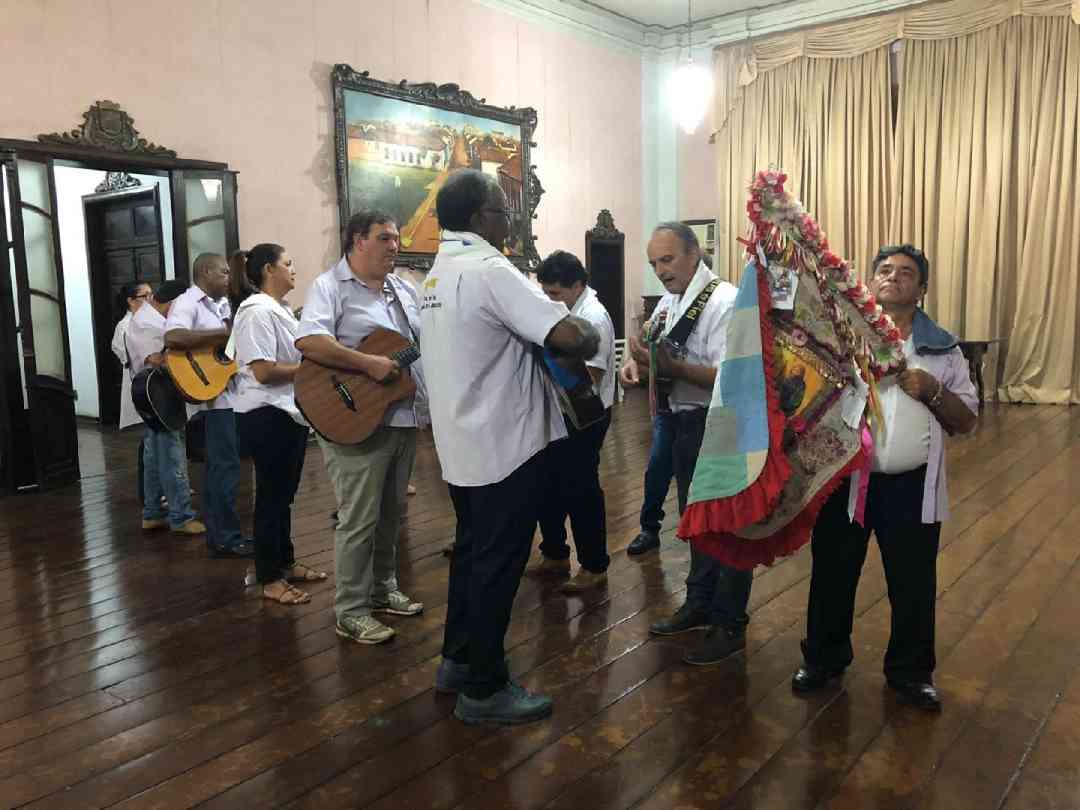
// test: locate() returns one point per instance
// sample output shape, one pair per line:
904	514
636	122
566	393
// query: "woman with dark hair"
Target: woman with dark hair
239	286
132	296
271	430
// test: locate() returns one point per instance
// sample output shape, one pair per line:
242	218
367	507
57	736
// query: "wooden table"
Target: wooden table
975	352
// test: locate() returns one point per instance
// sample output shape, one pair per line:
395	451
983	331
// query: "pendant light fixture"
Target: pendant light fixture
691	85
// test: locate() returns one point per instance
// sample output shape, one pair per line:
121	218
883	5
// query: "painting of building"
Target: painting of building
399	153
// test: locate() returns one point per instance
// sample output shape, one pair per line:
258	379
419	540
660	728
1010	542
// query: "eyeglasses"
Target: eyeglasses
501	211
141	295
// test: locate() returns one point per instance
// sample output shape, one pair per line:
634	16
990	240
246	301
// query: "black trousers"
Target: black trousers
909	550
720	592
574	491
495	528
277	446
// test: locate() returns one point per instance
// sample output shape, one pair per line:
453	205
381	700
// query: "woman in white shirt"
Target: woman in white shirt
132	296
271	430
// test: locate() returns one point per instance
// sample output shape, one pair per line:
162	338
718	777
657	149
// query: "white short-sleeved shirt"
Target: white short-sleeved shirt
145	336
492	405
264	329
128	415
588	306
907	424
343	307
707	343
198	311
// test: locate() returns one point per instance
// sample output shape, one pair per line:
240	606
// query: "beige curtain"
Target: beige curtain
739	65
983	172
988	168
827	123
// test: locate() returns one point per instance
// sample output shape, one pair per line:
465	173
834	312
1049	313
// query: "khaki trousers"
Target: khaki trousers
370	481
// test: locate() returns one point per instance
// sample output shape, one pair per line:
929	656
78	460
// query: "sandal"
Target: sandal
298	572
283	593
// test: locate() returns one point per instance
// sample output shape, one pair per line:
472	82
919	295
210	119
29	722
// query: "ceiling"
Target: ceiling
672	13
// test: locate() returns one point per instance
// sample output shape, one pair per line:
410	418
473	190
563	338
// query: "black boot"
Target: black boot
719	643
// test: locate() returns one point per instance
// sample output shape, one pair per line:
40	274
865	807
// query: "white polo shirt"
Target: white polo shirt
264	329
198	311
588	306
343	307
145	336
707	343
492	405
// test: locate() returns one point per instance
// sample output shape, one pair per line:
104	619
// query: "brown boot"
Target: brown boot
549	568
584	581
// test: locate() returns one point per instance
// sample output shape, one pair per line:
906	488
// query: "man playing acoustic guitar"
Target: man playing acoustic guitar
199	319
345	305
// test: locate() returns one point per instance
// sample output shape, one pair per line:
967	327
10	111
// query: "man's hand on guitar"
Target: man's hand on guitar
155	359
382	369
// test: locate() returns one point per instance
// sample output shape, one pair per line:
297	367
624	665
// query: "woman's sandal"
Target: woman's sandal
283	593
302	573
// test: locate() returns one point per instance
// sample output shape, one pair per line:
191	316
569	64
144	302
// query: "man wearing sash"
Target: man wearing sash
682	358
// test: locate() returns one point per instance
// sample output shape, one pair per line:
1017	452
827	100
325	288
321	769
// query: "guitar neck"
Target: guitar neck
407	356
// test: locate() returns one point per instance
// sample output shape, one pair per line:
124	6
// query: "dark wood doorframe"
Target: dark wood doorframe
104	314
19	467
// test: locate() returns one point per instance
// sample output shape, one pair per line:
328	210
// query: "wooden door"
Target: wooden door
124	245
32	294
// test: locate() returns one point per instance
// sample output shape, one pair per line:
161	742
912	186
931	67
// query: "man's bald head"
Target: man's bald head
211	272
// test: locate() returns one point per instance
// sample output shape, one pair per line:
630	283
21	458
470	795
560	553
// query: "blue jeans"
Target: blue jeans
659	472
222	479
165	473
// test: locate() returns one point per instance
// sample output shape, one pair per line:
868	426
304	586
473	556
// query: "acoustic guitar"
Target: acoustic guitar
200	374
345	406
158	400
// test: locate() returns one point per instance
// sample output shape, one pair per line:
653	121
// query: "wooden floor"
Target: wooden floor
137	673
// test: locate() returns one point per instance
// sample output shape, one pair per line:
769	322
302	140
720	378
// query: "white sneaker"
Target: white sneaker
398	604
363	630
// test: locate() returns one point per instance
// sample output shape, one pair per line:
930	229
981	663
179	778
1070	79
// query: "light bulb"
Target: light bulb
689	91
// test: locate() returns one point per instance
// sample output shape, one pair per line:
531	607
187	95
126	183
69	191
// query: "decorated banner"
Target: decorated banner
795	399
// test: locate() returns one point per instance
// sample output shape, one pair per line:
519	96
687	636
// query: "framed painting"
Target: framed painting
395	145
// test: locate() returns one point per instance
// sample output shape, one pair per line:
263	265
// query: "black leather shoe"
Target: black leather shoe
719	643
685	619
810	679
645	541
921	695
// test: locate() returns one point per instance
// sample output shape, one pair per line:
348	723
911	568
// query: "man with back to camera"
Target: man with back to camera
494	412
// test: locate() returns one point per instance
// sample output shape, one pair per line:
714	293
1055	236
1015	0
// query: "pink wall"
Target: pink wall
247	82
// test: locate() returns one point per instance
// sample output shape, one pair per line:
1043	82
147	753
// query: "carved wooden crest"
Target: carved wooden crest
117	181
605	226
106	126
